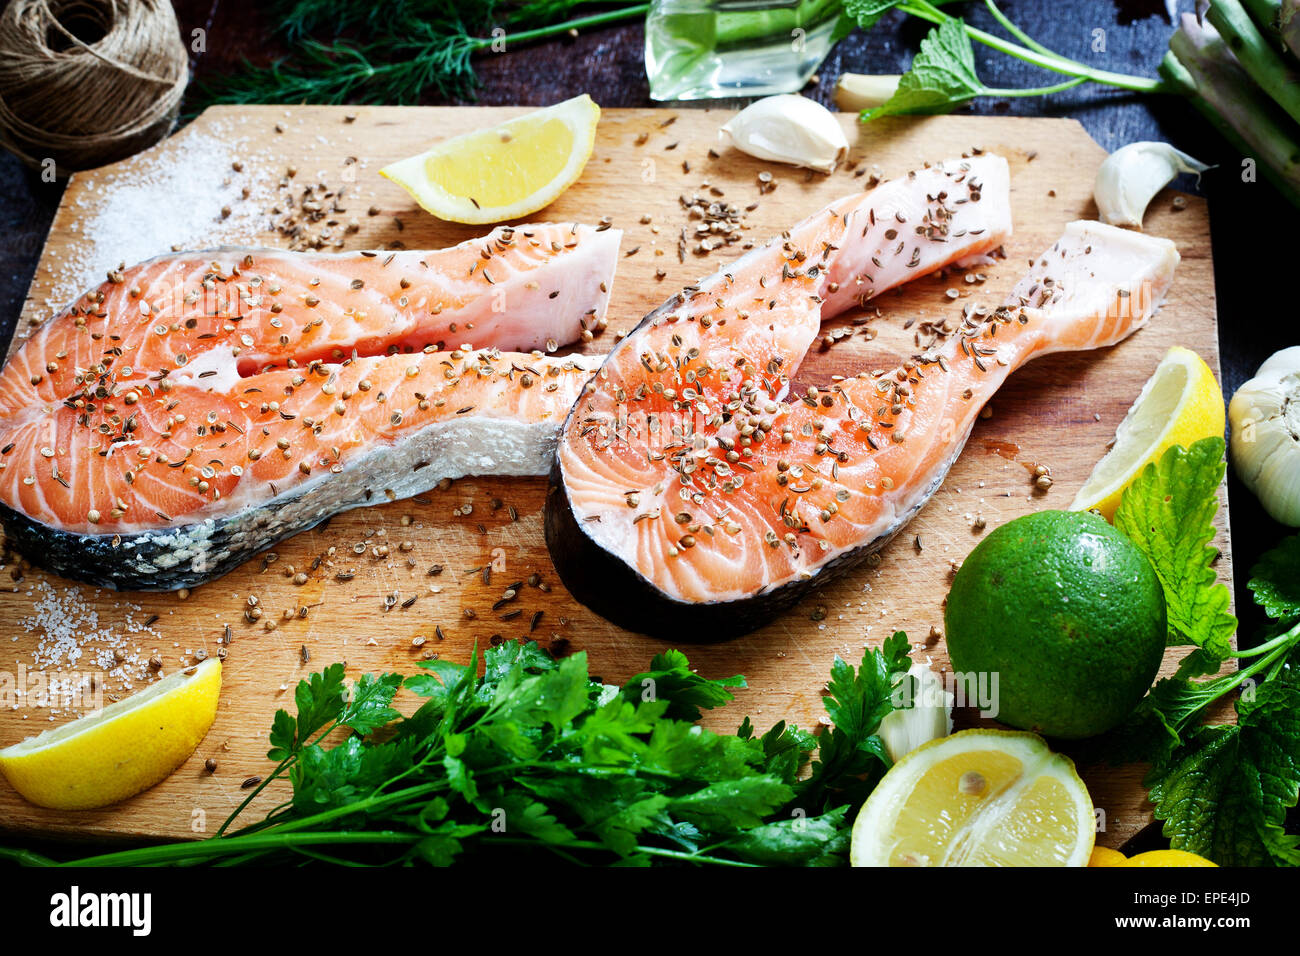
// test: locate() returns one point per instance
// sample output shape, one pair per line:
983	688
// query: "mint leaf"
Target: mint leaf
1225	793
1275	580
865	13
942	75
1168	513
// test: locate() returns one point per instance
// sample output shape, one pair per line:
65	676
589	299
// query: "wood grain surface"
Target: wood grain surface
1060	411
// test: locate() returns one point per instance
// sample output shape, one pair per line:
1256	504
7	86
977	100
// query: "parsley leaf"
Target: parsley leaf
785	748
320	700
1168	513
670	677
370	707
850	756
799	841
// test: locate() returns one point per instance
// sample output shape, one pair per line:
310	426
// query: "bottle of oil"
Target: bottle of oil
701	49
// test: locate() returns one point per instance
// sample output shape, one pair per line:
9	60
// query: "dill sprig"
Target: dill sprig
397	52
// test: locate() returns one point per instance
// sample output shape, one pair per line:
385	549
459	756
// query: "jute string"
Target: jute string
88	82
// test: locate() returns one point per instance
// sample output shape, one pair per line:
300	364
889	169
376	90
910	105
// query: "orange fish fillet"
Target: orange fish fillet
197	407
690	500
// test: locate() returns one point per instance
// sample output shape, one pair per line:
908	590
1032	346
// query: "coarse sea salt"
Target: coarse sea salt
74	635
188	195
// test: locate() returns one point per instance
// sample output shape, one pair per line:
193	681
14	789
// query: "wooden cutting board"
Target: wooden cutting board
1060	411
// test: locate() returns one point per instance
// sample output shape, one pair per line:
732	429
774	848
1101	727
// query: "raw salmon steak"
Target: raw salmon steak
196	408
690	500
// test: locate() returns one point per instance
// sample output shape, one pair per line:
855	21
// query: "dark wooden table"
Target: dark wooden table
608	63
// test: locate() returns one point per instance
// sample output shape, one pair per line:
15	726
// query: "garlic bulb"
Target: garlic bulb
929	717
1133	174
788	128
1265	417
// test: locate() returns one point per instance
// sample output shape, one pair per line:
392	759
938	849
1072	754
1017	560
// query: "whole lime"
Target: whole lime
1066	615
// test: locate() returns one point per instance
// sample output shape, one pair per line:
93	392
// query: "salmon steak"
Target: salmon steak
196	408
691	500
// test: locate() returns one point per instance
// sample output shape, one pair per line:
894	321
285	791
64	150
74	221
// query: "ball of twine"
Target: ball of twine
88	82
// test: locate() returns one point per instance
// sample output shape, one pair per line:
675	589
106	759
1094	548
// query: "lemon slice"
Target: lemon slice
1180	404
977	798
506	171
121	750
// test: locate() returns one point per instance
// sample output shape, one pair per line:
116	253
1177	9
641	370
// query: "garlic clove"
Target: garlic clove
1265	439
855	92
1131	176
929	717
788	128
1280	483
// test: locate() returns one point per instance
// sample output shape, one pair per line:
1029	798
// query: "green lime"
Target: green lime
1068	617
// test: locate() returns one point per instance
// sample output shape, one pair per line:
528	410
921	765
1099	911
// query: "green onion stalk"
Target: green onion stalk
1200	65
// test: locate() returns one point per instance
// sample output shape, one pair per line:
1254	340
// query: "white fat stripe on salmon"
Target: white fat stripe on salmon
196	384
725	510
917	224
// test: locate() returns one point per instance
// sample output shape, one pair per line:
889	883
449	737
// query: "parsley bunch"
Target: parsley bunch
1222	791
536	756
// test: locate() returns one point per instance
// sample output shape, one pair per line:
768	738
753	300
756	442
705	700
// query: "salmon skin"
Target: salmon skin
196	408
691	502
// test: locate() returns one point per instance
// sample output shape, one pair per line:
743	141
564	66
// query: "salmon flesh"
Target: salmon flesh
196	408
692	501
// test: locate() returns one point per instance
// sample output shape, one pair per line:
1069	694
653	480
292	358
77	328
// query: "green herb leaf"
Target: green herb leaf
1225	793
785	748
670	678
320	699
1275	580
859	700
942	75
867	13
370	707
1168	513
813	841
850	757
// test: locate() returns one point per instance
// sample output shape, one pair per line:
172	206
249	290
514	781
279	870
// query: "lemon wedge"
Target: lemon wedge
1167	858
119	751
1180	404
977	798
506	171
1105	856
